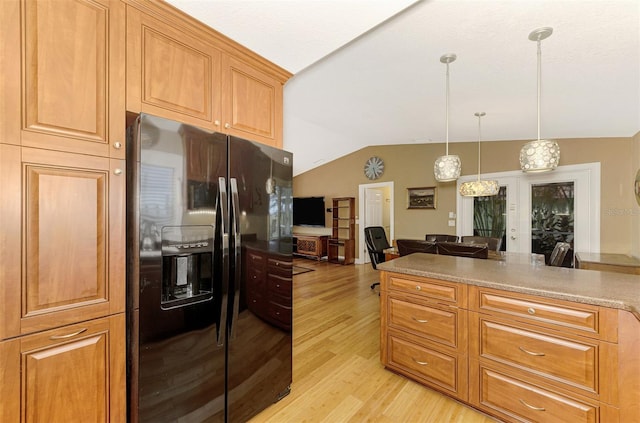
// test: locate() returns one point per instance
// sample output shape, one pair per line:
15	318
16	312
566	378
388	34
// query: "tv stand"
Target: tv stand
310	245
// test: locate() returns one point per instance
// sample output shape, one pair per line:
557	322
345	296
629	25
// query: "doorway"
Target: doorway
375	208
528	195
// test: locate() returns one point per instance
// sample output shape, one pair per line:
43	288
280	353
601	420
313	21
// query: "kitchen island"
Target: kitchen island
520	341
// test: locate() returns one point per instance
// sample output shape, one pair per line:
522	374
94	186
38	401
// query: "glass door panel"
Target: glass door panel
490	216
552	216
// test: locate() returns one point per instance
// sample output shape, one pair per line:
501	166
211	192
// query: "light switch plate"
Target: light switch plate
452	223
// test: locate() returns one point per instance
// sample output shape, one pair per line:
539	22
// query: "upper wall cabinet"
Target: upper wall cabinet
181	70
171	74
252	103
67	91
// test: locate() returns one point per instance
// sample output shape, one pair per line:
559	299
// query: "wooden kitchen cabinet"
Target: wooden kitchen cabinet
551	356
171	73
67	262
424	332
251	103
67	93
74	373
183	71
515	356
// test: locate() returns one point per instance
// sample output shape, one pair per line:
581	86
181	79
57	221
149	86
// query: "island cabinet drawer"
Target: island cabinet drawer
434	368
436	323
435	289
566	316
560	359
515	400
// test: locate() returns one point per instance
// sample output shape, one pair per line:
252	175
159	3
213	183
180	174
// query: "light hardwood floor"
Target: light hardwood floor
337	374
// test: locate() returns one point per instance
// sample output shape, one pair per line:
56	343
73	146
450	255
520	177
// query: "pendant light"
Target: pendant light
447	167
479	188
539	155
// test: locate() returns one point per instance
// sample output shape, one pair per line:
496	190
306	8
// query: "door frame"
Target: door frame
362	257
586	178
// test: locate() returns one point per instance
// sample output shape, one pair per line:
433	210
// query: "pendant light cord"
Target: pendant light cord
479	137
539	83
447	112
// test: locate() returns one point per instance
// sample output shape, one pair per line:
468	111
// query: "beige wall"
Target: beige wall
635	207
411	165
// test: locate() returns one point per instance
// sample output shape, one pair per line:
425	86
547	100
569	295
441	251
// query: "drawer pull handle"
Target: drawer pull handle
531	310
420	320
69	335
532	407
537	354
422	363
418	287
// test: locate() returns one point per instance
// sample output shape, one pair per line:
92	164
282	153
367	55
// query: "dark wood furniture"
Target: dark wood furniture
310	245
342	244
268	286
619	263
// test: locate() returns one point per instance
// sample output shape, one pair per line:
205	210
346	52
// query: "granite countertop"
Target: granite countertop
516	274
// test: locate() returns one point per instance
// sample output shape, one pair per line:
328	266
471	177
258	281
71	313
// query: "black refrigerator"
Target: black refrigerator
209	258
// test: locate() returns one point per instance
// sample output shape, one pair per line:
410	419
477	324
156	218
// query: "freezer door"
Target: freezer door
182	291
259	347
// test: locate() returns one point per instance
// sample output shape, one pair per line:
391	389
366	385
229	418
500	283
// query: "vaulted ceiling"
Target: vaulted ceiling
367	72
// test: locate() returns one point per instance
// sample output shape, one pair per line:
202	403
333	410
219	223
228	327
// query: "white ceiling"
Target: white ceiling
388	85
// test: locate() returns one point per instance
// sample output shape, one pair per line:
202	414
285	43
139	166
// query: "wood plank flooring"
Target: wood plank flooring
337	374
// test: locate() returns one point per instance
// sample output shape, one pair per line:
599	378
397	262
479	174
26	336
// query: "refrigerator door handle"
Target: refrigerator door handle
237	277
224	283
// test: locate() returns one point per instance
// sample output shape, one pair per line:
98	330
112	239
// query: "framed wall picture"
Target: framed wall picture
421	198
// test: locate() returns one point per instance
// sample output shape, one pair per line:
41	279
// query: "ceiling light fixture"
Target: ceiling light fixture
479	188
447	167
540	155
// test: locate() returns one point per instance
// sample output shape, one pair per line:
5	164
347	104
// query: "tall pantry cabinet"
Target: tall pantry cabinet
62	184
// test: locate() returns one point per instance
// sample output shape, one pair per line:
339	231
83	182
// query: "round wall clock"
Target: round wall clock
374	167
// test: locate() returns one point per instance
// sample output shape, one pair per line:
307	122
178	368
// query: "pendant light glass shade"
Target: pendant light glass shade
447	168
479	188
539	155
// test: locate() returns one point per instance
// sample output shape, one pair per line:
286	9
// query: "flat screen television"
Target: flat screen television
308	211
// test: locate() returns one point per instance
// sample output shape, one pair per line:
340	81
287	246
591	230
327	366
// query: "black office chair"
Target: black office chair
376	241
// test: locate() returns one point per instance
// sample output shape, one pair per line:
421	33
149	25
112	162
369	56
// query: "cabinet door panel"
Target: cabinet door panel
252	103
170	73
73	78
74	373
68	268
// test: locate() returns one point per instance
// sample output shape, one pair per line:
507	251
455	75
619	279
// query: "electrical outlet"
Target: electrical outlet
452	223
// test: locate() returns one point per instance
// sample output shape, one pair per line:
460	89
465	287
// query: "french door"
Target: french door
538	210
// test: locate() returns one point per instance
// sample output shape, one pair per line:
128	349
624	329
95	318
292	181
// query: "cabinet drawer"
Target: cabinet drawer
435	289
280	313
279	267
436	324
521	401
580	317
564	360
279	286
425	363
